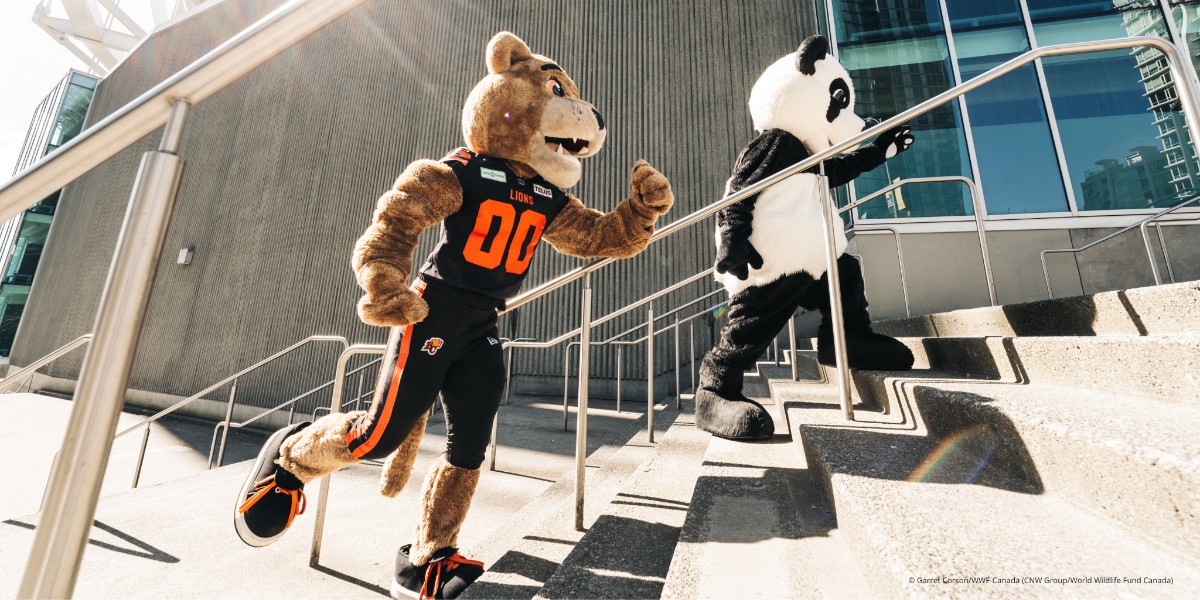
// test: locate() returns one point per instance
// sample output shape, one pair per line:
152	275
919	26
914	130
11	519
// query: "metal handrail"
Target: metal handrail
145	423
977	204
1162	243
75	483
1141	224
1188	95
224	425
216	70
335	405
31	368
619	343
871	229
610	316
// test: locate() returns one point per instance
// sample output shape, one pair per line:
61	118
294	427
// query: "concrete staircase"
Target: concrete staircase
1033	445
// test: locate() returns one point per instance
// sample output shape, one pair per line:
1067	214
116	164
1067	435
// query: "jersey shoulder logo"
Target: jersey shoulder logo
542	190
432	345
461	156
493	174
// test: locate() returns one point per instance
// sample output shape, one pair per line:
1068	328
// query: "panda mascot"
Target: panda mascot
770	253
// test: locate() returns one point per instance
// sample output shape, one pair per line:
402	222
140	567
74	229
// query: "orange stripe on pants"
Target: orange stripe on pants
388	402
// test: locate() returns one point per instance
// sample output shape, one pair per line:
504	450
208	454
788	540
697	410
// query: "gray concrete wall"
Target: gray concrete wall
945	270
283	169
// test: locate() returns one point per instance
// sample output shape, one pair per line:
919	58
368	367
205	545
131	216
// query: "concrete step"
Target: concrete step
626	553
926	509
759	527
1165	310
523	554
1163	368
1132	460
1022	464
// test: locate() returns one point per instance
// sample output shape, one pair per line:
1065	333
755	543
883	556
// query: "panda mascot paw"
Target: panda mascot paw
737	258
894	141
722	410
735	419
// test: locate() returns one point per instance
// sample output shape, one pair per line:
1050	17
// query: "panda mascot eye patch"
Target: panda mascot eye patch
839	99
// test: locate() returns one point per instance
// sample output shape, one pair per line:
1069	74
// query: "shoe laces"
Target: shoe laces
264	487
435	570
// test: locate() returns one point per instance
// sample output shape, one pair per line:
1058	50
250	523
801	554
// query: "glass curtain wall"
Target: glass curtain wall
1082	133
66	108
897	54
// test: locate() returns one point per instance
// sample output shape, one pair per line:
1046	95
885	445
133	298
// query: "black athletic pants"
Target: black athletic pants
758	313
456	351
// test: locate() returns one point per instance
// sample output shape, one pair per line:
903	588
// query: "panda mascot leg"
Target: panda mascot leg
769	254
865	349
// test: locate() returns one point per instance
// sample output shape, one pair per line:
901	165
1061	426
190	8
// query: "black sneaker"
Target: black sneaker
271	497
446	576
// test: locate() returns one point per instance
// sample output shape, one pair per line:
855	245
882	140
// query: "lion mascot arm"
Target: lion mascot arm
423	195
587	233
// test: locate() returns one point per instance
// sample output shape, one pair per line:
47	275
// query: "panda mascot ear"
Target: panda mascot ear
811	50
504	51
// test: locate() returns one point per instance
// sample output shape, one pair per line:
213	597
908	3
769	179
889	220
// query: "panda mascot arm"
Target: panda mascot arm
771	152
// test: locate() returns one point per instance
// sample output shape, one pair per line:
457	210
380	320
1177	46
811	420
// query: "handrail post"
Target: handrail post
1162	244
692	354
137	469
495	431
585	346
619	352
566	384
678	392
335	406
65	525
508	377
1150	254
650	373
358	391
792	347
835	296
228	418
980	214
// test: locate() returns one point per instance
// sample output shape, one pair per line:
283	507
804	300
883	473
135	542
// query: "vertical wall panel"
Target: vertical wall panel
284	167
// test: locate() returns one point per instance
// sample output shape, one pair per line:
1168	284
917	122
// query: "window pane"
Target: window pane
1111	142
1187	21
1018	168
896	52
1123	134
1064	21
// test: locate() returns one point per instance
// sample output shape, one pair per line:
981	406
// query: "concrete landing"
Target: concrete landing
37	424
176	539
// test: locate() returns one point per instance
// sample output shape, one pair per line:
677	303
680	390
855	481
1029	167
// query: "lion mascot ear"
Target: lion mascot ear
504	51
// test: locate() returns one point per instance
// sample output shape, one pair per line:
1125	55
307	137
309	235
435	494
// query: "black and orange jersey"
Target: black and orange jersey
487	245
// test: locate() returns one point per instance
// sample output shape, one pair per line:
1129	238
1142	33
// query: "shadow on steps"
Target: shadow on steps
979	446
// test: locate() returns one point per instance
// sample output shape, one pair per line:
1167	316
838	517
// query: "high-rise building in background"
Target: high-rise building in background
57	119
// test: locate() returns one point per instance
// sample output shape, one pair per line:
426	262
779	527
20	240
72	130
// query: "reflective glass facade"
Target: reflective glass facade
1062	136
57	120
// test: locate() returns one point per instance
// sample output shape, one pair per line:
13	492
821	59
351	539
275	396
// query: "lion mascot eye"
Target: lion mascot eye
555	87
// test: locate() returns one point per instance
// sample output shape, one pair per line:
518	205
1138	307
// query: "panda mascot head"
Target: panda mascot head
786	93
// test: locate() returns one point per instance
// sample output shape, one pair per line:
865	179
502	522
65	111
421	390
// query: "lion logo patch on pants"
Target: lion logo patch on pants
432	345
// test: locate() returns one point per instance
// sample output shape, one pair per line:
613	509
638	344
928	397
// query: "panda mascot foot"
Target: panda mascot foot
865	349
737	418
